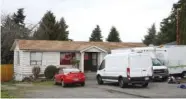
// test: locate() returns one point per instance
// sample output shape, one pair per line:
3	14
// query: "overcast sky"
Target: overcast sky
130	17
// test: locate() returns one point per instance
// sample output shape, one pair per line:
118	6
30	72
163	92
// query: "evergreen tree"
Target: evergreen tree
48	28
113	35
96	35
9	32
168	31
182	21
151	36
63	33
19	17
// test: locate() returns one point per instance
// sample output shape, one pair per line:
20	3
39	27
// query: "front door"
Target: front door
90	61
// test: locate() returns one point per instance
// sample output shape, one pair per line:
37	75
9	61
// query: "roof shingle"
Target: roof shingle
48	45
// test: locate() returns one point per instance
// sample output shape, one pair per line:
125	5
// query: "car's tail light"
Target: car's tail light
128	73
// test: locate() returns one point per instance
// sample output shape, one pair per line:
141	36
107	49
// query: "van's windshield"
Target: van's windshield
156	62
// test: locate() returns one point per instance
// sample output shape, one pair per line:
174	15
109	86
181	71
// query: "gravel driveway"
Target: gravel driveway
92	90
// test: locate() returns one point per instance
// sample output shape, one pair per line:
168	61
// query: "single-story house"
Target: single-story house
29	53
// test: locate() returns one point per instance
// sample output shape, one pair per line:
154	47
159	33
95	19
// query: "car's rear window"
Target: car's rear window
71	70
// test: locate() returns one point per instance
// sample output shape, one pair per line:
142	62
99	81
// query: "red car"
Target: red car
69	76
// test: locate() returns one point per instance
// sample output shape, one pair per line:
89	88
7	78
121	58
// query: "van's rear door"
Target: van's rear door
140	65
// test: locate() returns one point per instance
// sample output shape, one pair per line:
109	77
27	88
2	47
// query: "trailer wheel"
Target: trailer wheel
184	74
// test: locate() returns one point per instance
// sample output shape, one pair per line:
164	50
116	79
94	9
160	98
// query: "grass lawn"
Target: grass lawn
6	94
45	83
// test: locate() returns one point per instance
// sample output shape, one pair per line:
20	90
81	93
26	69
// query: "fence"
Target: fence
6	72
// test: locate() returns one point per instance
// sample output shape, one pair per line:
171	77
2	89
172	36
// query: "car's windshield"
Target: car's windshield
156	62
72	70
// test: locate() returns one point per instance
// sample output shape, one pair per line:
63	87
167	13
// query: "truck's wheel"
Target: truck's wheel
99	80
145	84
121	83
184	74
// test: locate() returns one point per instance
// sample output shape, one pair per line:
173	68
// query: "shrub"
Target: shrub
50	71
36	70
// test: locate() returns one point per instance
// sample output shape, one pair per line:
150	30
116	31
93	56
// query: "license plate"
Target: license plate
160	76
76	79
146	78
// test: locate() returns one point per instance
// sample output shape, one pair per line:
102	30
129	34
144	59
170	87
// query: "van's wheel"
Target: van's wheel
121	83
145	84
99	80
164	79
184	74
63	84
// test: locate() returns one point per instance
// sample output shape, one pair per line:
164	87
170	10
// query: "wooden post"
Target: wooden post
177	28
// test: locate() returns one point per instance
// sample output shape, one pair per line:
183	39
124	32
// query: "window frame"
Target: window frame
36	61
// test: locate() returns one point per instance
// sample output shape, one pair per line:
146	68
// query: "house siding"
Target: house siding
17	67
24	69
48	58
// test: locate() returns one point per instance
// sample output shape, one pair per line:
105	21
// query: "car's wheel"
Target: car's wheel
63	84
83	84
145	84
121	83
184	74
99	80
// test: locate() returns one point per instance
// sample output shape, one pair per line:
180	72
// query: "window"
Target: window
156	62
36	58
66	58
18	58
94	59
102	66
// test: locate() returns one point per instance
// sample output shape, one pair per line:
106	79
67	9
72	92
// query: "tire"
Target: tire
184	74
63	84
83	84
121	83
145	84
164	79
99	80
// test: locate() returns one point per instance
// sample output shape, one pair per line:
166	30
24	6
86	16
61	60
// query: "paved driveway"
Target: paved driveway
92	90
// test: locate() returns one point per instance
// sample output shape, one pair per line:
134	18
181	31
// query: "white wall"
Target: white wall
17	67
48	58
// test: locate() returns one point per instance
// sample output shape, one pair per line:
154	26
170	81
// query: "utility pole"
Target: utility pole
177	27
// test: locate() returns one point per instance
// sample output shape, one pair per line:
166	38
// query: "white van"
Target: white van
160	71
125	68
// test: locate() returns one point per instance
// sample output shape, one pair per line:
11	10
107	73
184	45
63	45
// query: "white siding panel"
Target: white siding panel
48	58
51	58
18	67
